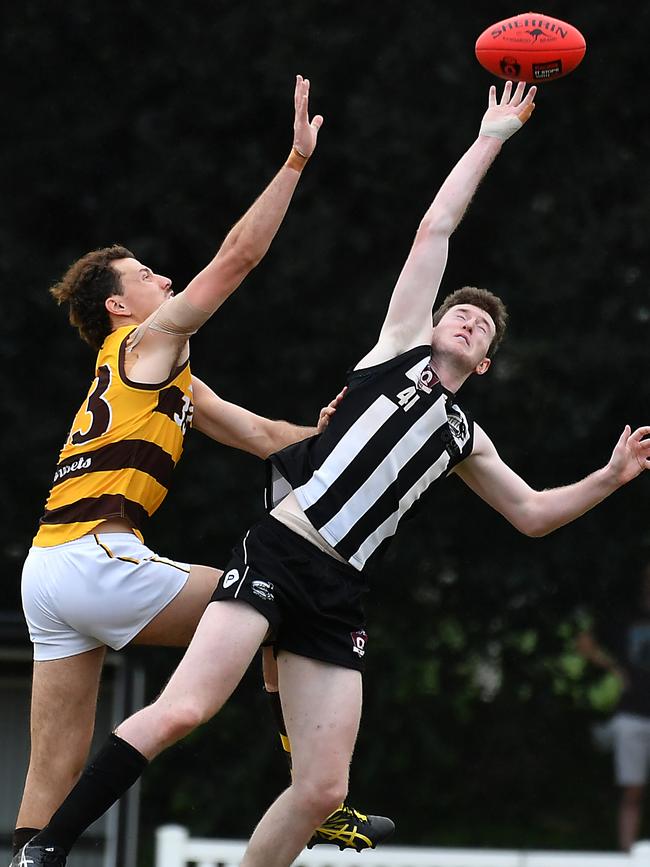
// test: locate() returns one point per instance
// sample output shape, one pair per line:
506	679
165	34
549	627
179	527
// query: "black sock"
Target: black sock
114	769
22	836
276	707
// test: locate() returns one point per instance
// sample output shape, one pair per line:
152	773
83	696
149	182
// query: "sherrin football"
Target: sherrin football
530	47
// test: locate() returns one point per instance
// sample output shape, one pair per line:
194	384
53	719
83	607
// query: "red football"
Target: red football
530	47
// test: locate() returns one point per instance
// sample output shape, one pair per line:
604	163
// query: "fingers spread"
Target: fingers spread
530	96
505	96
516	99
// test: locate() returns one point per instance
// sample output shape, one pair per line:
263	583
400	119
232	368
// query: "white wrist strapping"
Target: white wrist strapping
502	127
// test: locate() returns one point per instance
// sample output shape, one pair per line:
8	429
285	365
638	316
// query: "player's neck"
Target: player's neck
449	372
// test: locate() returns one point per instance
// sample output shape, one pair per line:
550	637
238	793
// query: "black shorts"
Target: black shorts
312	601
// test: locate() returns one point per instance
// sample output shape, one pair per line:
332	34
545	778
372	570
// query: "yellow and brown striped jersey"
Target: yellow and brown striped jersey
122	448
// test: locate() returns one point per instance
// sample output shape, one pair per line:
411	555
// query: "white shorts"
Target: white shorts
97	590
631	749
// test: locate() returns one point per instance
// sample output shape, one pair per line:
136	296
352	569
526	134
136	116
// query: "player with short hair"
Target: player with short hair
300	574
113	473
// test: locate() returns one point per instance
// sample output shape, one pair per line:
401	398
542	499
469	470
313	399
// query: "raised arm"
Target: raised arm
537	513
250	238
408	321
235	426
162	337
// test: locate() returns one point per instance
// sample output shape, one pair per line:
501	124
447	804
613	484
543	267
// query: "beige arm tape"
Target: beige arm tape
175	316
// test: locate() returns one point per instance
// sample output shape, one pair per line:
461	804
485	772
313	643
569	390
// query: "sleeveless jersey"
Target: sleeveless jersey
395	433
122	448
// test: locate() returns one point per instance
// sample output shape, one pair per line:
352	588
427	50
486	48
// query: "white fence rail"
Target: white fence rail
175	848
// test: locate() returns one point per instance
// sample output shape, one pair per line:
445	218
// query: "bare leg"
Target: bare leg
322	708
270	673
225	642
629	816
64	702
269	670
64	699
176	623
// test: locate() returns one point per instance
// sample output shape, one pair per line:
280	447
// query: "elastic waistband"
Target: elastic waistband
90	538
291	539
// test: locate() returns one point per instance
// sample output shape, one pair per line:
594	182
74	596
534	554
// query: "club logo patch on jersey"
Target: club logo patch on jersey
457	424
230	578
359	641
263	589
458	430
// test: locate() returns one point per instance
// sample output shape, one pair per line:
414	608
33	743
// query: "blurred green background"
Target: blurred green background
155	125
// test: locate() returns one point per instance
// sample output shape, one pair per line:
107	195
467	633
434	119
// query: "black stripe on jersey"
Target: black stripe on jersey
386	505
171	402
407	359
97	508
367	460
126	454
393	433
296	461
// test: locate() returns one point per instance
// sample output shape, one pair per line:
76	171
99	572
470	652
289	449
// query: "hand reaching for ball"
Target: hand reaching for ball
503	119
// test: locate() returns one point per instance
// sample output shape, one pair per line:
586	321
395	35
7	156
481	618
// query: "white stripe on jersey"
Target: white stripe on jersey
387	471
346	450
280	488
414	373
389	526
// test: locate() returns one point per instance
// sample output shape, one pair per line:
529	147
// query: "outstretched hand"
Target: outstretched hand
305	133
503	119
631	455
328	411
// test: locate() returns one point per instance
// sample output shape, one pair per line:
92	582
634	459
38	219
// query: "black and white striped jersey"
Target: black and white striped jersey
395	433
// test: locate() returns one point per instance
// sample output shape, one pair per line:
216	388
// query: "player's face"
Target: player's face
142	290
465	332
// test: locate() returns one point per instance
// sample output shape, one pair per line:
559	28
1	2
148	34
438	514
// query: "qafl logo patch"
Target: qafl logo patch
427	379
359	641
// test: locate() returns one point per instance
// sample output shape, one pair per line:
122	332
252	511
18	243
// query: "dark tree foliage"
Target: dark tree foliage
155	125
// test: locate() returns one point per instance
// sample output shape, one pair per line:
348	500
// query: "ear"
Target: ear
116	306
483	366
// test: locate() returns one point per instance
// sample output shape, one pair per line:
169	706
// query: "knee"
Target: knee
321	796
175	721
